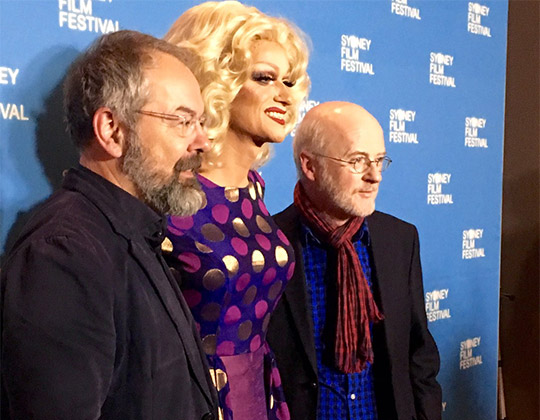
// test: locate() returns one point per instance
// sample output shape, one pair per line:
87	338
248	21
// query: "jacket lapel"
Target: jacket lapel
295	295
175	305
383	259
112	202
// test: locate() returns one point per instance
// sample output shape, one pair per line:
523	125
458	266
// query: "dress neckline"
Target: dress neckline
211	184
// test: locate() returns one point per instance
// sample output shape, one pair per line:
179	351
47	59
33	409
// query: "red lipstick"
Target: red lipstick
275	114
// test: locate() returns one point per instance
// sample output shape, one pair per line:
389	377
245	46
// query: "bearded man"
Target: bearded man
350	332
94	325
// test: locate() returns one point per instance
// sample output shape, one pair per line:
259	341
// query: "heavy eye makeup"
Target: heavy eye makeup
268	77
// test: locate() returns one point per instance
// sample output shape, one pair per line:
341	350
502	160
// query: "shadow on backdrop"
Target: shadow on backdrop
54	149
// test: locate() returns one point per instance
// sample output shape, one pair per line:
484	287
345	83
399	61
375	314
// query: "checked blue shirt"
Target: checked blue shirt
341	396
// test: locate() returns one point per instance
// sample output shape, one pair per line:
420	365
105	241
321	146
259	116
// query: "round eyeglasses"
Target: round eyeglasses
361	164
185	124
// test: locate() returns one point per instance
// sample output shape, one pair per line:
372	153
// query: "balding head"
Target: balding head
329	139
326	126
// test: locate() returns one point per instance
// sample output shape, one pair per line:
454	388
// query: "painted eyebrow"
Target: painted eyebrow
268	63
274	67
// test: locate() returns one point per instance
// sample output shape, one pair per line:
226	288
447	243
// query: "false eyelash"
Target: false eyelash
263	77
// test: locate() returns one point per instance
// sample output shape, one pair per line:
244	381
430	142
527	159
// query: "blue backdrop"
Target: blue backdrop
432	73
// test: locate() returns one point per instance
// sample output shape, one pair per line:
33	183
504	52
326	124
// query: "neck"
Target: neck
331	219
231	167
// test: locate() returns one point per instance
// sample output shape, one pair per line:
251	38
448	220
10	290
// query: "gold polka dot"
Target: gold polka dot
211	311
266	321
240	227
259	189
281	256
250	294
166	245
209	344
244	330
212	233
204	200
232	194
203	248
274	290
271	402
213	279
219	378
252	192
263	224
257	260
231	263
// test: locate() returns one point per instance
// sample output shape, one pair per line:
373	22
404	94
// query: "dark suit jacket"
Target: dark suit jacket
406	359
93	323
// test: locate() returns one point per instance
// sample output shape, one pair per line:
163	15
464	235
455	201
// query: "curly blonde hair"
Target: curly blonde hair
220	35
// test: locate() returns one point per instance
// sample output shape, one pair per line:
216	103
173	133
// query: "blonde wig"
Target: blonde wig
220	36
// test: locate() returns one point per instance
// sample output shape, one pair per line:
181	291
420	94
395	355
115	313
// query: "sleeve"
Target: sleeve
424	355
58	335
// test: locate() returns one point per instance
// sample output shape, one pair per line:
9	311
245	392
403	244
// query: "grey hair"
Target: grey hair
311	136
110	73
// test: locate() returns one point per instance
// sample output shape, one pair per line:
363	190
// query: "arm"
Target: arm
58	335
423	355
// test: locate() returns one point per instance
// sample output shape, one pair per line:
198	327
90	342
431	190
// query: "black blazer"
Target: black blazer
406	359
93	324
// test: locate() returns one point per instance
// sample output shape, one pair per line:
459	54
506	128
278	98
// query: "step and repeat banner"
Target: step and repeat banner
431	72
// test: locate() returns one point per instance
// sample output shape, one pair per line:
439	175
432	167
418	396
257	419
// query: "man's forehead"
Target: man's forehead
363	135
169	80
166	65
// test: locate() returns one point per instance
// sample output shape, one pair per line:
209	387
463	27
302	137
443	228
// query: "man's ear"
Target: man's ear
108	131
307	165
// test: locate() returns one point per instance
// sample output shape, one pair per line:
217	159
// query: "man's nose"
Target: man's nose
200	141
373	173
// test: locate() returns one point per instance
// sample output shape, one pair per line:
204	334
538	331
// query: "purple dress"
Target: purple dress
234	263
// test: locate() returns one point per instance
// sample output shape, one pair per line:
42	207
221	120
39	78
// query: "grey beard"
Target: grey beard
173	195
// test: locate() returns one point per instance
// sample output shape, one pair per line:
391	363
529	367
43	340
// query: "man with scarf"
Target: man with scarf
350	332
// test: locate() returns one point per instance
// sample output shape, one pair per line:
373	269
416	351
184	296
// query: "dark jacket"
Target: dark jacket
406	359
93	324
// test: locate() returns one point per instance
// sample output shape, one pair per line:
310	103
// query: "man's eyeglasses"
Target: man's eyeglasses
361	164
185	124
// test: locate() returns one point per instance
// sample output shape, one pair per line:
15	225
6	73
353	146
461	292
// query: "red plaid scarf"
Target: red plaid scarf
355	306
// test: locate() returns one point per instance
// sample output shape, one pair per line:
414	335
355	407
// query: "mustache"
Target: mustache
192	163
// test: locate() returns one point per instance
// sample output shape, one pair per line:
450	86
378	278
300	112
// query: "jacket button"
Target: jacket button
313	385
208	416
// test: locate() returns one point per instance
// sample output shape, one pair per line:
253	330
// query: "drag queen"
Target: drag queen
234	262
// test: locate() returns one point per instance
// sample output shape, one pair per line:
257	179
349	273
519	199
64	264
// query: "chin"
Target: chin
271	139
364	209
277	136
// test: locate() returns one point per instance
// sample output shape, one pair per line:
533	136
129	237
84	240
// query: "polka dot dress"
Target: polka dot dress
234	264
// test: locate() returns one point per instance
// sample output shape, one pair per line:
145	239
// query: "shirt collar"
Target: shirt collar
362	234
127	214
